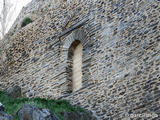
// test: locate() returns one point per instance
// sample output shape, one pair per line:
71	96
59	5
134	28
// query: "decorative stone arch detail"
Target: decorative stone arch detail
77	36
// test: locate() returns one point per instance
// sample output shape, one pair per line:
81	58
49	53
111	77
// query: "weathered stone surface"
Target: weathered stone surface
77	116
120	61
14	92
4	116
28	112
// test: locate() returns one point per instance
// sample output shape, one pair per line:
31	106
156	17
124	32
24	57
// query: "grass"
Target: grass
12	105
26	21
0	51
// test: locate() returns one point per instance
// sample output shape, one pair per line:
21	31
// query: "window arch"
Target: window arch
75	65
71	44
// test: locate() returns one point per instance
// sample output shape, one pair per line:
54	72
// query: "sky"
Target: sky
18	5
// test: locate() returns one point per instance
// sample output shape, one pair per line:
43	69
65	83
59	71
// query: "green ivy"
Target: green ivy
12	105
26	21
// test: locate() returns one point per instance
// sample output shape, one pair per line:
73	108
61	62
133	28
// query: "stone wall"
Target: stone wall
120	57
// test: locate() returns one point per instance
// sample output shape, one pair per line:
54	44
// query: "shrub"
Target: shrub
12	105
26	21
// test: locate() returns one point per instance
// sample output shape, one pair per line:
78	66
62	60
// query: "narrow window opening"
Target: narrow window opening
75	64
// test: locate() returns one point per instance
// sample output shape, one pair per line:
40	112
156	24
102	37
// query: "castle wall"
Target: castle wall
120	56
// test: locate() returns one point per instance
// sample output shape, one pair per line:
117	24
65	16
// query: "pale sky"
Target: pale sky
18	5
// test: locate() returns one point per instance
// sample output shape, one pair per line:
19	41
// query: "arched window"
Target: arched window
75	65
